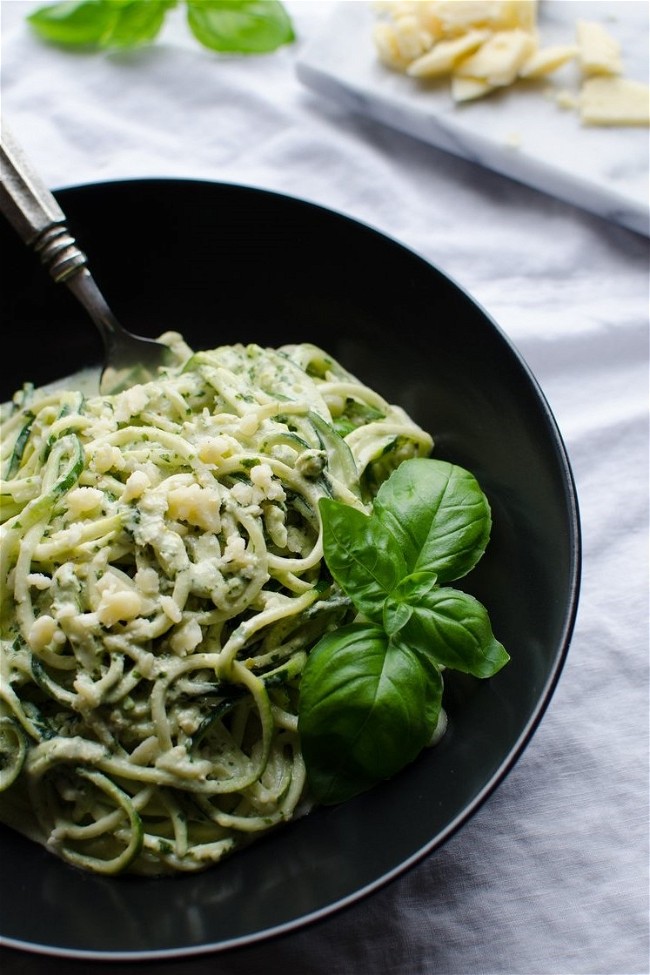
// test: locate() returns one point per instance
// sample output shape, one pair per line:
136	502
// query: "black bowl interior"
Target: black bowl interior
224	263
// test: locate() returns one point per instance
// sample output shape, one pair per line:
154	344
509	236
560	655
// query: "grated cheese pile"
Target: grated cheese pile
482	46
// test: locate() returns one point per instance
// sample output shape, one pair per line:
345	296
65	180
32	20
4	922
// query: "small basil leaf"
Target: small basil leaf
80	23
362	556
396	615
414	587
367	708
454	630
240	26
399	604
439	515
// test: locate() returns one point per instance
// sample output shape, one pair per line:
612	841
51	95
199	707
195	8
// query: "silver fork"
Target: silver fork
33	211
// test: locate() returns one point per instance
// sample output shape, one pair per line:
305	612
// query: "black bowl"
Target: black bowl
224	263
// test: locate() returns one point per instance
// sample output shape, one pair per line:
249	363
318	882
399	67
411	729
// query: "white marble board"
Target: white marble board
520	132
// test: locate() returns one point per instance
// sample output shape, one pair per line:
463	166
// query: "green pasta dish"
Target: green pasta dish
164	583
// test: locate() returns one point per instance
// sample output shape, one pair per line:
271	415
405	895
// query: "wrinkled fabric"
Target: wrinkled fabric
550	877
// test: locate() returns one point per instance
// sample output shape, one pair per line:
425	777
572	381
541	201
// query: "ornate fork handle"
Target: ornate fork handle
59	252
34	213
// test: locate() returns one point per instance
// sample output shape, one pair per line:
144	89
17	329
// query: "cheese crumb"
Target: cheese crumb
119	601
565	98
458	16
442	58
195	505
614	101
118	606
82	500
136	484
186	638
598	52
271	487
411	39
41	632
546	60
466	89
235	551
498	60
213	449
130	403
107	458
147	580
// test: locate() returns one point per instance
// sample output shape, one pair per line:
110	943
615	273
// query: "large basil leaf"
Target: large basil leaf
101	23
439	514
453	629
367	708
364	558
240	26
84	22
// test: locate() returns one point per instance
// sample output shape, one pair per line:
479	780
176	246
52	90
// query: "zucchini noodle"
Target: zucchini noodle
163	582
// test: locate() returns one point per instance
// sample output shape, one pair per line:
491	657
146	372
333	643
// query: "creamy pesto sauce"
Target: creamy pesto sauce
164	580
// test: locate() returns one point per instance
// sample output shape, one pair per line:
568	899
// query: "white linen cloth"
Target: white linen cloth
550	877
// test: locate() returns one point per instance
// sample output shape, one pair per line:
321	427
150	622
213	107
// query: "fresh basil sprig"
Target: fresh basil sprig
233	26
371	692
